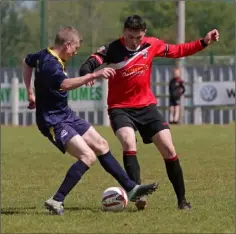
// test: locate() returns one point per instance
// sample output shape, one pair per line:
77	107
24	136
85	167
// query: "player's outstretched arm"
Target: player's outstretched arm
73	83
186	49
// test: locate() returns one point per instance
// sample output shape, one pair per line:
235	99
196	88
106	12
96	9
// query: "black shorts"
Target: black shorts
174	101
147	120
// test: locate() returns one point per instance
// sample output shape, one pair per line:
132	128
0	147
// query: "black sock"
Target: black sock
175	174
73	176
112	166
132	166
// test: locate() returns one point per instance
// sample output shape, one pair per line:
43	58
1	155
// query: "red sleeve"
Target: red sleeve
177	51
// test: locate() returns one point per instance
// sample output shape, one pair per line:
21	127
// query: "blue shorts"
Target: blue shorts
61	133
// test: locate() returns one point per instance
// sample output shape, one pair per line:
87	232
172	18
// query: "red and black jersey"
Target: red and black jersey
131	86
176	88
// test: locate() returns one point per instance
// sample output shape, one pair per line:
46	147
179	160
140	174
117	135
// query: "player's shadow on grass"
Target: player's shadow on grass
98	209
17	210
92	209
32	210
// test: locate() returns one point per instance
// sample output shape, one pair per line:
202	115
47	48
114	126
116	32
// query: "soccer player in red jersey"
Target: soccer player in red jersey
131	102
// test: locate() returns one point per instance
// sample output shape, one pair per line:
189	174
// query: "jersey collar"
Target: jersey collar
57	57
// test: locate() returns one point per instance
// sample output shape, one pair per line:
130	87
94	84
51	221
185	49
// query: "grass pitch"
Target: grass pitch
32	169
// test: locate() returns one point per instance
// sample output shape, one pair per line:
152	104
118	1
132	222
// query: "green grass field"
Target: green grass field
32	169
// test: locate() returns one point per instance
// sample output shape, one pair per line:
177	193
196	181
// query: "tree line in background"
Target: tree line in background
102	21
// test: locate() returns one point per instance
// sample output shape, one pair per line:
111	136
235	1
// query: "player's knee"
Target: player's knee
164	144
88	158
128	143
101	147
169	152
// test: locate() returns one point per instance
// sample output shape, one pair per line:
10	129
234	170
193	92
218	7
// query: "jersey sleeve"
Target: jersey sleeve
94	61
170	86
182	86
55	76
163	49
31	59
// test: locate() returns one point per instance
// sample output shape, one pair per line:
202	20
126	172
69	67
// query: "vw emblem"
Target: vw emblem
208	93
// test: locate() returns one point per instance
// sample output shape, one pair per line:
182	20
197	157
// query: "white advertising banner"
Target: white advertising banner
214	93
85	97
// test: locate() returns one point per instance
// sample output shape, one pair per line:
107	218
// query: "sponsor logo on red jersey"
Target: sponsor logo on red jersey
135	70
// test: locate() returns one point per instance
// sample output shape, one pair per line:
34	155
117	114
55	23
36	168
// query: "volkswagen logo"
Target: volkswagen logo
208	93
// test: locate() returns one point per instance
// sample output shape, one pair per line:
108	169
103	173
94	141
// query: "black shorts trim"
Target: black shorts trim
147	120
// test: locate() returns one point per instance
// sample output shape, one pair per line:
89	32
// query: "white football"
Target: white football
114	199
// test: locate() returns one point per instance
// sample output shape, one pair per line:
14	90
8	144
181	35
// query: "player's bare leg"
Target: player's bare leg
176	114
172	110
127	138
163	142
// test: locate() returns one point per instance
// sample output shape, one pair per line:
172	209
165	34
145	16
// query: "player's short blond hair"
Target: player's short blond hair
67	34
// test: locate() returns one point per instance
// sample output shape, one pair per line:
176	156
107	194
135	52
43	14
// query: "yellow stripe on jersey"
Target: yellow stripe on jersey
51	130
58	58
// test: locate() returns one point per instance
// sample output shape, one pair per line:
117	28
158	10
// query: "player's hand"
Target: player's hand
91	83
213	35
105	73
31	99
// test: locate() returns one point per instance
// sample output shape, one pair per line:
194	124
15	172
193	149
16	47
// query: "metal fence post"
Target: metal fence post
15	100
180	38
197	110
106	121
43	41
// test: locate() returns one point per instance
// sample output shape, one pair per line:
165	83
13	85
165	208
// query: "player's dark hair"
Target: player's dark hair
135	22
67	34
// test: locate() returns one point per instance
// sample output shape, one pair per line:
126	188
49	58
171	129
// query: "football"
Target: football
114	199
